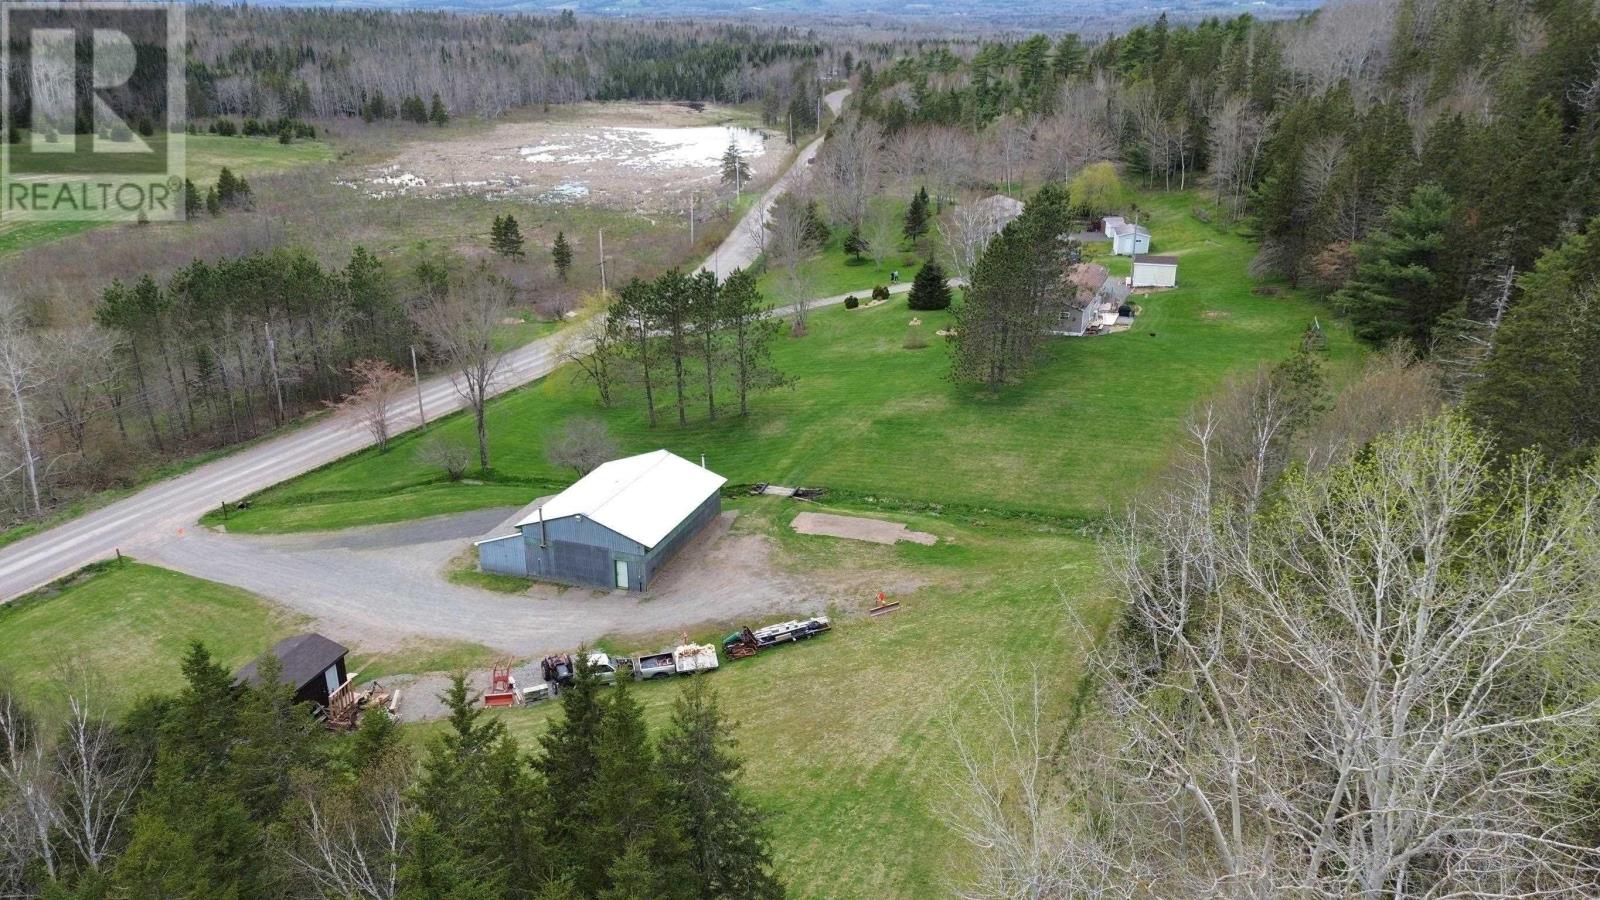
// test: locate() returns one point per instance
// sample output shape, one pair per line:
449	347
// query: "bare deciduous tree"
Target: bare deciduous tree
460	325
377	386
350	841
850	167
22	377
965	230
582	445
98	779
594	350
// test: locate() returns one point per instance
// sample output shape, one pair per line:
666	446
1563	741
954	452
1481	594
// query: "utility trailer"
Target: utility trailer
747	642
692	658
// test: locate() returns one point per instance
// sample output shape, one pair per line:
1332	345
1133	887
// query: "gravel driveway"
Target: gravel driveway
381	586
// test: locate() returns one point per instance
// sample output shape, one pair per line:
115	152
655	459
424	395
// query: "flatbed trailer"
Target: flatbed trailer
749	642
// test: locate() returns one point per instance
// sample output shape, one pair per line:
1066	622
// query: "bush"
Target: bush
851	302
451	456
915	339
879	292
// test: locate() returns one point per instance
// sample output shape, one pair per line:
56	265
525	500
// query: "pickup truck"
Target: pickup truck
655	665
559	668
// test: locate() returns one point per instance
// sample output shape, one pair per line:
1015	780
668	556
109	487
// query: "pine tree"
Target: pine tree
917	216
1396	291
561	255
727	835
929	289
854	243
750	331
437	114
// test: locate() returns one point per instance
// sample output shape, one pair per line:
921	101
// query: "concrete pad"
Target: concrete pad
857	528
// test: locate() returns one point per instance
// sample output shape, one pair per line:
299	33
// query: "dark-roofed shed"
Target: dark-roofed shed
312	664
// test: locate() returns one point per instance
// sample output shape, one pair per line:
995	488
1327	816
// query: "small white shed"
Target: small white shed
1130	240
1155	271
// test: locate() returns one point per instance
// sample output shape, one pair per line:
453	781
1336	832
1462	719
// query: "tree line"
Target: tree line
229	789
679	341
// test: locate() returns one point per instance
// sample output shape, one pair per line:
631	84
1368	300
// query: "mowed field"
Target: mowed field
867	417
206	155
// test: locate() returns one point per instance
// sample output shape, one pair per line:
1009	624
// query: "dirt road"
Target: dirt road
169	509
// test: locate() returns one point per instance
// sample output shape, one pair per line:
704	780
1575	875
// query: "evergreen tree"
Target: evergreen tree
750	331
1018	287
569	758
1396	291
505	237
480	795
561	255
917	215
213	202
727	835
433	868
437	114
854	243
929	289
194	202
735	169
626	812
228	190
1541	385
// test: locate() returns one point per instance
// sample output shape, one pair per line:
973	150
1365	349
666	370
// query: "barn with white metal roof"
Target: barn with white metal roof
616	527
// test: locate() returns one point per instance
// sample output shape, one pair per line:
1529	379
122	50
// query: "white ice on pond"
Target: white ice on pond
650	148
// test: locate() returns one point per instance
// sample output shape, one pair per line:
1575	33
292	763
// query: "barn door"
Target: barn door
622	573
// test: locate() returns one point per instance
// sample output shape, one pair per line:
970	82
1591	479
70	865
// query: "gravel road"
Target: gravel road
384	585
145	522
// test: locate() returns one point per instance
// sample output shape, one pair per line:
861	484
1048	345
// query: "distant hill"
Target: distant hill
1078	15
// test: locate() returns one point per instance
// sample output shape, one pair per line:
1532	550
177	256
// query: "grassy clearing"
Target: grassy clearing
832	271
206	155
847	738
870	418
127	626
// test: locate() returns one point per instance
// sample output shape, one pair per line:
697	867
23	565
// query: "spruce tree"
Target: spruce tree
625	810
505	237
735	169
727	835
194	202
929	289
569	758
561	255
1541	384
854	243
916	224
437	114
1397	291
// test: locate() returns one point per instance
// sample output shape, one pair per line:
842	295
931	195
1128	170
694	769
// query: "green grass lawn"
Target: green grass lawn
868	417
126	627
847	739
206	155
832	271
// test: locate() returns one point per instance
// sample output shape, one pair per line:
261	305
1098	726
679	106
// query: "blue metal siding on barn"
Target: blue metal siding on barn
504	555
662	553
578	550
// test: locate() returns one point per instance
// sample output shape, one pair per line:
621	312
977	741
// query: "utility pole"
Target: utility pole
691	218
422	417
272	358
603	290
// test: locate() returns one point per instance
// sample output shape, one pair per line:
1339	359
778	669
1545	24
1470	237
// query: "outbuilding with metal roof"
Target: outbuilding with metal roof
616	527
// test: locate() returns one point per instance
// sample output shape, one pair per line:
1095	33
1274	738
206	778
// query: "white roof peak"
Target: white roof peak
640	497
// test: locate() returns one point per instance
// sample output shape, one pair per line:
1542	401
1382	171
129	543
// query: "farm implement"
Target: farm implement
747	642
